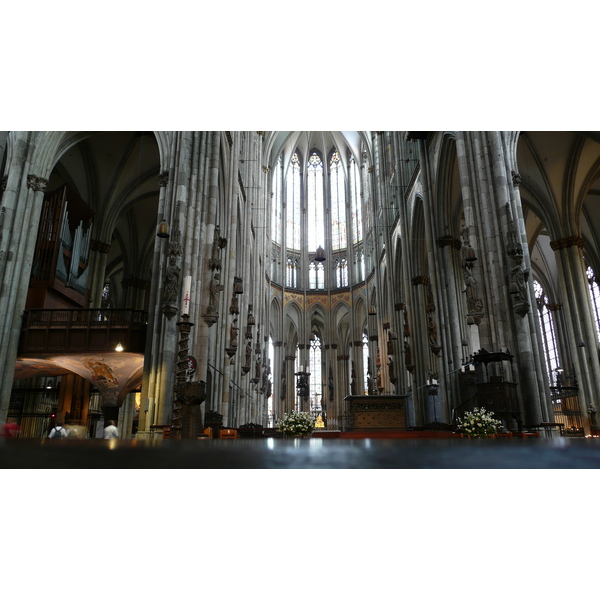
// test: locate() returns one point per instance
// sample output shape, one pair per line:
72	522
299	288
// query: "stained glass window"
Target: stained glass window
341	272
316	275
270	397
547	327
595	293
314	184
338	203
297	368
361	265
316	385
355	202
291	272
276	205
293	205
365	349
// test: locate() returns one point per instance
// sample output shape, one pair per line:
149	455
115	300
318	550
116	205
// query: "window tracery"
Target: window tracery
293	205
548	330
338	203
595	294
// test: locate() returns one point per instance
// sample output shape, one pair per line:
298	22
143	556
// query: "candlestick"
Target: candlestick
187	289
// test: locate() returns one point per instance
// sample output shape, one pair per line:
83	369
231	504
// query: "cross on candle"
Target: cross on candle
187	288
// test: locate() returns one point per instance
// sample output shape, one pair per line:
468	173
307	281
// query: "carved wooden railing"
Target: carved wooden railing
82	330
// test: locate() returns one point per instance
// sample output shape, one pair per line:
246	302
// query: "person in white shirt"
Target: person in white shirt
58	431
111	431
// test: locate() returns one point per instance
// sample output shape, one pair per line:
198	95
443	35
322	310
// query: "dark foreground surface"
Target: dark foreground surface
453	453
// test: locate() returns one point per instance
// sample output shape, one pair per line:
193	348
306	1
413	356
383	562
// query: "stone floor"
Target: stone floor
453	453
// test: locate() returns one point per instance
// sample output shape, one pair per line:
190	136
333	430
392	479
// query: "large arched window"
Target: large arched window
270	376
338	203
366	370
355	202
321	204
276	205
291	272
595	293
340	268
293	205
316	385
316	275
548	332
314	188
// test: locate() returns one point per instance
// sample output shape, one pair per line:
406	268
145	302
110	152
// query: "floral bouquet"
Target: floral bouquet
478	423
296	423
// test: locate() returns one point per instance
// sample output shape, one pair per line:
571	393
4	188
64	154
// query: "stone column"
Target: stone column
21	206
582	336
98	257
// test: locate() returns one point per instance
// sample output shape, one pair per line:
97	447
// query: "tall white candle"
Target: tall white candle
187	290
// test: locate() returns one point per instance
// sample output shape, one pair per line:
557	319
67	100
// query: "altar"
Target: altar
376	412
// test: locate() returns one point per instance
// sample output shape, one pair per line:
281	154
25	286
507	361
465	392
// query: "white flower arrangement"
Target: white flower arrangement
296	423
478	423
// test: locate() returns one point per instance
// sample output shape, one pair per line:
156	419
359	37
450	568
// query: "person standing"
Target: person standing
10	430
111	431
58	432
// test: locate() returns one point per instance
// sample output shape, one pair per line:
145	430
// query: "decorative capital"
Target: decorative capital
567	242
175	248
554	307
448	240
261	133
421	280
371	169
37	184
266	169
163	178
98	246
516	178
3	182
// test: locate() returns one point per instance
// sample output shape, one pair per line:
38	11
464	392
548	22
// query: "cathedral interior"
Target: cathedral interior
184	281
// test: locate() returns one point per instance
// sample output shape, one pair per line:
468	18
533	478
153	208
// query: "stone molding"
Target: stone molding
448	240
98	246
567	242
37	184
163	178
421	280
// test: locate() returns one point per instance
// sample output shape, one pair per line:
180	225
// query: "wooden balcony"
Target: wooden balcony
82	330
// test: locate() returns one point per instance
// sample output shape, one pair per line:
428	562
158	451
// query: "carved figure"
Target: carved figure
474	304
171	282
432	330
391	373
257	369
519	277
248	354
303	386
233	334
353	380
215	288
407	354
